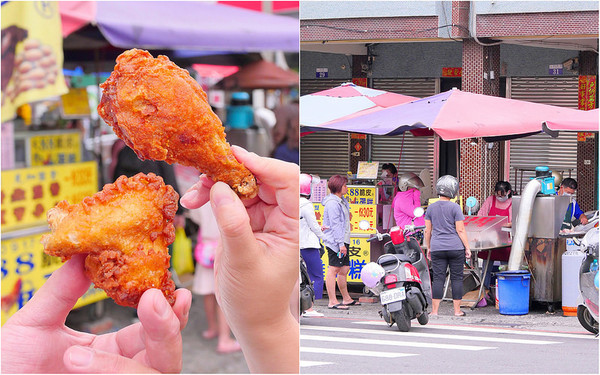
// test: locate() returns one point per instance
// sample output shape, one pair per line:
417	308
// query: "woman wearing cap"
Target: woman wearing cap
447	244
407	199
310	234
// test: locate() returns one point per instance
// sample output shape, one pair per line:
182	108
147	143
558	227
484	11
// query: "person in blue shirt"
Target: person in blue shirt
574	215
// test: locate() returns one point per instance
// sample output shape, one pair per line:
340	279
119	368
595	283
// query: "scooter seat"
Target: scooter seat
398	257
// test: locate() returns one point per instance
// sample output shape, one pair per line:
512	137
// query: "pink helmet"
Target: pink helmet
305	184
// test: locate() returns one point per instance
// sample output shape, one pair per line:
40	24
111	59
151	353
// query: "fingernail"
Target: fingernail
221	195
161	306
189	196
240	149
81	356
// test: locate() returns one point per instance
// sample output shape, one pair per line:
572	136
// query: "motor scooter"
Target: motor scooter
587	301
404	289
307	291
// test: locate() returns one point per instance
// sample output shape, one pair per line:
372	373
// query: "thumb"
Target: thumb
232	220
82	359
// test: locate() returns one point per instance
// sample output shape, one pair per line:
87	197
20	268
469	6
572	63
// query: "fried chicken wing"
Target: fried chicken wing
125	230
162	113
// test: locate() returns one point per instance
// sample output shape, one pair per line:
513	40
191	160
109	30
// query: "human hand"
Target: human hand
36	340
429	255
256	263
343	250
468	253
584	220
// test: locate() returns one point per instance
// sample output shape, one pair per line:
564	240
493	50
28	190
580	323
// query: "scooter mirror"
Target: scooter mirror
364	225
419	211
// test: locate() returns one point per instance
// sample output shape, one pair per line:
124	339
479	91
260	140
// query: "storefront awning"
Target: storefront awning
183	25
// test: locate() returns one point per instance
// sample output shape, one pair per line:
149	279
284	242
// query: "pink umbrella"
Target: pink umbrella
345	102
456	114
552	127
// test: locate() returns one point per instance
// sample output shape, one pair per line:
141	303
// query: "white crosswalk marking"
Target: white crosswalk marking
512	331
393	343
364	353
314	363
424	335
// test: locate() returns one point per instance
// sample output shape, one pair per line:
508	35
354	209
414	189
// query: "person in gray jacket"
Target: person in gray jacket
336	221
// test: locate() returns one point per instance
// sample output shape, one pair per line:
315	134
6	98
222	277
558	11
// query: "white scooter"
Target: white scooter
403	285
587	301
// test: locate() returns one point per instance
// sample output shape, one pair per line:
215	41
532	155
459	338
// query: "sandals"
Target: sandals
353	303
339	306
462	313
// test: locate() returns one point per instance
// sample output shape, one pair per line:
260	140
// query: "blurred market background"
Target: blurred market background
55	147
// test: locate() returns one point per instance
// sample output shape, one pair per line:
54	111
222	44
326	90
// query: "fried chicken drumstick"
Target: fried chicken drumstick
163	114
125	230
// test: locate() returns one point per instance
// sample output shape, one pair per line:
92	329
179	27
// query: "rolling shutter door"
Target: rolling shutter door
415	153
557	153
325	153
419	87
308	86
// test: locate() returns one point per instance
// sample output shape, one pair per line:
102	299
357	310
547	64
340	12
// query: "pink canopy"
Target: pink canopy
456	115
345	102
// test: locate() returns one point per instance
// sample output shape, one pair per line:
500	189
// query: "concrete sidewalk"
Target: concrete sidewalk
538	318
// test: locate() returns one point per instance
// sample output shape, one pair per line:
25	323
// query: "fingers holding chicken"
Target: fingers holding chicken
125	229
162	113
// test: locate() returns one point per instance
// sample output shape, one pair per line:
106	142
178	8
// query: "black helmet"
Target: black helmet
447	186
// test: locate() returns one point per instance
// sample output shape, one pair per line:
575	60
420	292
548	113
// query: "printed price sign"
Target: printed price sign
55	149
25	268
360	254
28	193
363	212
361	194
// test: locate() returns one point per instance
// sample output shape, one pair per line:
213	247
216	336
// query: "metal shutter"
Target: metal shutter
557	153
325	153
419	87
415	154
308	86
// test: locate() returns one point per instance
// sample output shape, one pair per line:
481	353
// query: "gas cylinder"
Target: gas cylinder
571	263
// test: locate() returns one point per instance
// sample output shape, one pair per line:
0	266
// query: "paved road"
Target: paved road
357	341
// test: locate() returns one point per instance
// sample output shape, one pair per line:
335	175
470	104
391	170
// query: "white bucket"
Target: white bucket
571	263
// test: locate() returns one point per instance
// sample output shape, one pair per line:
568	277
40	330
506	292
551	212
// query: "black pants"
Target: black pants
440	260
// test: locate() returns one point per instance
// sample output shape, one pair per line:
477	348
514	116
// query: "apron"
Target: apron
501	254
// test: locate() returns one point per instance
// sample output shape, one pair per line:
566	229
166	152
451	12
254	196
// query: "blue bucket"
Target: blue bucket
513	292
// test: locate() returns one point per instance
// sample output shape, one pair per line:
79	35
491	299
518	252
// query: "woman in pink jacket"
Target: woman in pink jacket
407	199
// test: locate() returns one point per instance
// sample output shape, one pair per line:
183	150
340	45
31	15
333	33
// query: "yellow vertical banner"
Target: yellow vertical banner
32	54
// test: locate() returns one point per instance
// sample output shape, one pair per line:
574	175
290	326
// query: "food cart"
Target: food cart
363	198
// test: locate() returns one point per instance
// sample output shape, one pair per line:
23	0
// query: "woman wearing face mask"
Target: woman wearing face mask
389	176
498	204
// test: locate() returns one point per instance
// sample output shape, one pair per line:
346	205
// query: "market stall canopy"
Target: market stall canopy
456	115
552	127
260	75
344	102
181	25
